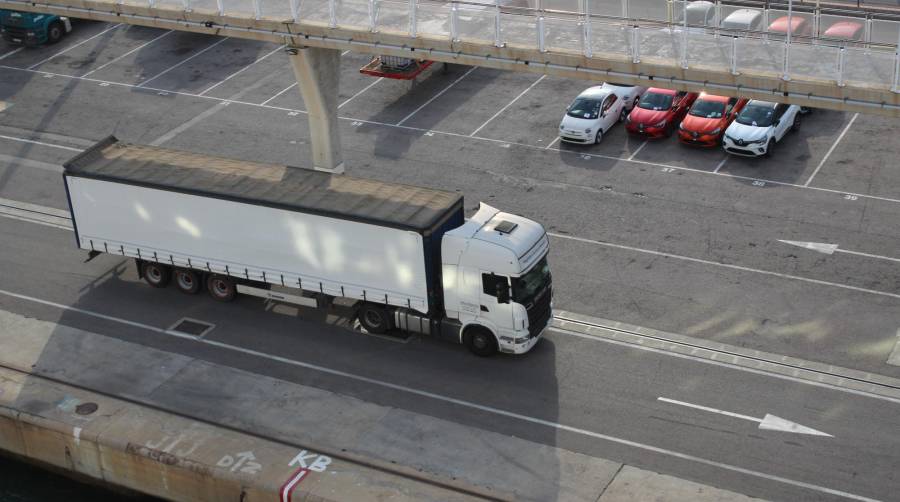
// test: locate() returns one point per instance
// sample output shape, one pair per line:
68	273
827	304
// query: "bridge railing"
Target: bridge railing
865	53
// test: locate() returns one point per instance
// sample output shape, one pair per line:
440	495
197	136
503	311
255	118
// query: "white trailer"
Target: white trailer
301	236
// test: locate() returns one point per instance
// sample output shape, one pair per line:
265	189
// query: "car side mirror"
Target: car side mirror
502	289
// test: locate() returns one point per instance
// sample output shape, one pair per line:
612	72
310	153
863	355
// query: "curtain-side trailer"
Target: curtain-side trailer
406	254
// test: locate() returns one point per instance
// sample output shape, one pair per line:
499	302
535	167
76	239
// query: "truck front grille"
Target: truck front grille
539	312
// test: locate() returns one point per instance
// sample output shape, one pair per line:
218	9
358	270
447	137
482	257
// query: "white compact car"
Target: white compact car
629	94
759	126
591	115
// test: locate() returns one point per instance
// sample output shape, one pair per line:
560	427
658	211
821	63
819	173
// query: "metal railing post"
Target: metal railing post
540	34
257	9
220	6
670	11
734	70
786	67
151	3
587	37
635	45
684	36
332	13
766	22
625	9
840	68
718	17
498	34
454	22
413	19
373	15
187	5
896	86
295	10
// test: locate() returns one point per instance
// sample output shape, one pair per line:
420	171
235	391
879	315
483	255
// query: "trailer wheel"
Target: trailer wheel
374	318
221	288
480	341
187	281
55	32
156	274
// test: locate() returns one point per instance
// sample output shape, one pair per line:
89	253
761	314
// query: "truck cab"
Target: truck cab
497	282
31	28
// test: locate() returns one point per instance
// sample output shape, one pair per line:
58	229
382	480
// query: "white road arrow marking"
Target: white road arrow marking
769	422
833	248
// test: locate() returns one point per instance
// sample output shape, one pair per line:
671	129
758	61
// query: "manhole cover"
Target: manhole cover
86	408
192	327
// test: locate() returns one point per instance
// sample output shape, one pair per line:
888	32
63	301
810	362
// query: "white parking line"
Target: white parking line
351	98
555	140
464	75
722	163
33	142
478	138
167	70
10	53
132	51
631	157
35	65
488	121
828	153
286	89
229	77
447	399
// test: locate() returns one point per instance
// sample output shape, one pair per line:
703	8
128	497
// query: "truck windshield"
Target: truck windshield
525	288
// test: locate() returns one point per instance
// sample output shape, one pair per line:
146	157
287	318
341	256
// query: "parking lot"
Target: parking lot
492	135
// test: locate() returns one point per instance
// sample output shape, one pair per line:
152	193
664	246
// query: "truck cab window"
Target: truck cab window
489	283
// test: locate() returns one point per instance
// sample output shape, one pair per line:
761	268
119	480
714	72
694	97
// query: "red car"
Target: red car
845	30
659	112
708	118
800	26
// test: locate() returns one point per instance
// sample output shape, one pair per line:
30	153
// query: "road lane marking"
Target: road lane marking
132	51
266	102
35	65
10	53
464	75
825	248
351	98
769	422
725	265
10	160
833	146
229	77
455	401
488	121
504	143
631	157
167	70
35	142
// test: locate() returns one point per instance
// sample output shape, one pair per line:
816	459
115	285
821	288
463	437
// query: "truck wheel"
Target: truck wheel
374	318
221	288
156	274
55	32
480	341
187	281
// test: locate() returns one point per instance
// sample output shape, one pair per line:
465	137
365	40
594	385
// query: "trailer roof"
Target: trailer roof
292	188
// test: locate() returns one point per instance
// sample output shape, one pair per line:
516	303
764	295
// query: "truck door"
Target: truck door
495	300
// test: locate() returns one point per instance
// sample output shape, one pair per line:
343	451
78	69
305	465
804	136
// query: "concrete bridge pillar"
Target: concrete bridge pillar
317	71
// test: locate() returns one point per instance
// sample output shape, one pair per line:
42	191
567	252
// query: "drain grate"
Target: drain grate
192	327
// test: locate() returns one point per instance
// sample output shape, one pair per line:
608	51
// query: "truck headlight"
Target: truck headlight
521	340
588	130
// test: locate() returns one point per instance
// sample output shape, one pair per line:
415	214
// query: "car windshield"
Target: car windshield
585	108
757	115
708	109
526	288
654	101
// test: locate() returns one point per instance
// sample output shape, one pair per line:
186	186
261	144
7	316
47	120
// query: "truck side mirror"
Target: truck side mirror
502	292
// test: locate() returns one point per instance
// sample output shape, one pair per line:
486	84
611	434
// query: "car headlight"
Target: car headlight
717	130
30	33
661	123
681	127
757	142
588	130
628	118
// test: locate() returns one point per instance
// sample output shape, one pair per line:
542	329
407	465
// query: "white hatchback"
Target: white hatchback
759	126
591	115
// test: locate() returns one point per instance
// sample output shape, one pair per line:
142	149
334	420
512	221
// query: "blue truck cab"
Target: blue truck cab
32	28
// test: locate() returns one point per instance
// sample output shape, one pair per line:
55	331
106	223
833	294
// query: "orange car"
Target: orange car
708	118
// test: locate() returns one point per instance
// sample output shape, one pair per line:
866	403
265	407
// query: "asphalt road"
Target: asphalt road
649	233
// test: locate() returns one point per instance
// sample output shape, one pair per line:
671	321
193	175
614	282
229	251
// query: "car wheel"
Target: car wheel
480	341
599	137
55	32
796	125
623	115
770	147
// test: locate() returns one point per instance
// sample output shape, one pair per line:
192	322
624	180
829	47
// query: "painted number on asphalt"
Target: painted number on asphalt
293	114
669	169
103	84
758	183
356	123
848	196
244	461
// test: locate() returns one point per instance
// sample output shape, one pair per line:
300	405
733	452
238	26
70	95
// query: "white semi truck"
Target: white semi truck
406	254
